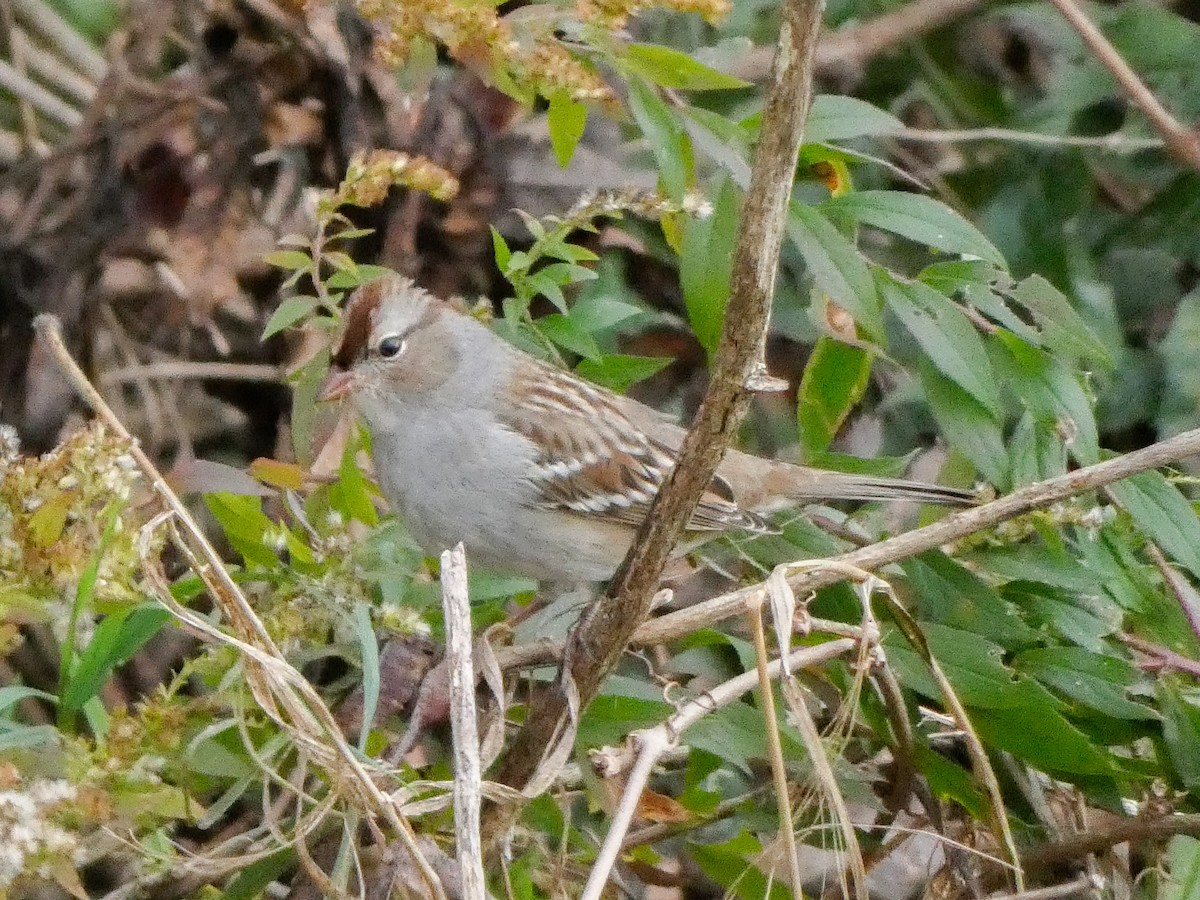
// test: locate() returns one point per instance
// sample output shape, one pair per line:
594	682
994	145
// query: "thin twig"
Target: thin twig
188	369
1160	658
1113	143
11	147
75	50
783	799
1185	594
852	47
1083	885
49	105
1098	839
16	51
51	70
468	777
650	746
1182	142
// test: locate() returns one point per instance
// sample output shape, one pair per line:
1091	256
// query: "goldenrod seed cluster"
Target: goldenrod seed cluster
615	13
54	510
370	176
527	53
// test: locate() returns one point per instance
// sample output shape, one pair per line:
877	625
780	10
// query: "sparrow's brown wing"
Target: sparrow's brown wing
594	461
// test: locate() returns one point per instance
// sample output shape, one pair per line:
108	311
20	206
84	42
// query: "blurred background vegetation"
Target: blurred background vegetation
991	275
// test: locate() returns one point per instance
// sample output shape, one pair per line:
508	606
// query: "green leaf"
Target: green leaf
347	279
500	248
252	880
705	263
668	141
1052	391
724	142
600	311
351	233
975	283
951	595
834	380
566	119
918	218
735	733
1183	864
836	265
949	781
288	313
1099	681
834	117
1180	368
1010	711
948	339
973	665
18	737
619	372
1181	732
1160	510
245	525
48	520
967	424
306	385
610	717
351	494
564	273
292	260
342	262
543	284
1063	328
1036	452
1083	619
369	650
84	592
672	69
567	333
1039	734
114	642
732	866
12	694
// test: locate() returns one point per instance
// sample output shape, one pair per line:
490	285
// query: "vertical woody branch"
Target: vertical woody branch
599	639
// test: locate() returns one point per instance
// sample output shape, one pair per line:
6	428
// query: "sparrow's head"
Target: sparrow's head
392	342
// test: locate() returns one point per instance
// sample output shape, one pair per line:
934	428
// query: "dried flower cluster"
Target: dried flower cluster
54	511
370	176
524	53
33	839
615	13
646	204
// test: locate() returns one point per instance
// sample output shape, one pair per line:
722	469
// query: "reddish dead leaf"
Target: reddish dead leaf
659	808
841	323
828	175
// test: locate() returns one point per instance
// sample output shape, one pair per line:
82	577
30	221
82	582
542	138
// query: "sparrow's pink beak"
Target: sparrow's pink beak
337	386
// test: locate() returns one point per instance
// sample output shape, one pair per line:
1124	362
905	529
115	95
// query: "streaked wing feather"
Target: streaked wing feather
604	465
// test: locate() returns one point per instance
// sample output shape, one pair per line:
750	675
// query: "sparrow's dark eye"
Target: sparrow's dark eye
392	345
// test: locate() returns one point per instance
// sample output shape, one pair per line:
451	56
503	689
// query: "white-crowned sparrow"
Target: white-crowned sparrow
536	471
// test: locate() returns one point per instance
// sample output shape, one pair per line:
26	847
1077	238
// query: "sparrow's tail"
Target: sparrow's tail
843	486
